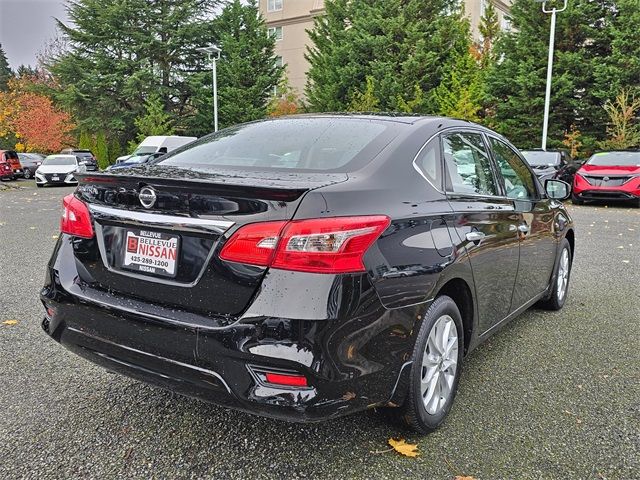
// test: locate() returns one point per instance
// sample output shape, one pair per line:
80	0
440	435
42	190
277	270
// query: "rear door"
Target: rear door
485	221
535	226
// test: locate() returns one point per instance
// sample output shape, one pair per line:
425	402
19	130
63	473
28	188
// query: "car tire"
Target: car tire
442	321
39	186
27	174
560	280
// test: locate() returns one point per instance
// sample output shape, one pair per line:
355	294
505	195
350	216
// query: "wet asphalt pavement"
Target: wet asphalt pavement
553	395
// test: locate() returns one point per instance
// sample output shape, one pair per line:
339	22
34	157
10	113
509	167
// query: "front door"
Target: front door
535	228
486	222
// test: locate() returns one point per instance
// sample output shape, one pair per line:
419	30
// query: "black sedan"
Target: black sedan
30	163
552	164
312	266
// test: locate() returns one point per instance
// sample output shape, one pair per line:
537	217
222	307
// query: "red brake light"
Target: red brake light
253	244
288	380
320	245
76	219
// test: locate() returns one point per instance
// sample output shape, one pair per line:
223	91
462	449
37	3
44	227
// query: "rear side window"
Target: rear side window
518	179
306	144
428	164
467	164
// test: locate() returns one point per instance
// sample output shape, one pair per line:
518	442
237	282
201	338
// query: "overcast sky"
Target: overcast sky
25	27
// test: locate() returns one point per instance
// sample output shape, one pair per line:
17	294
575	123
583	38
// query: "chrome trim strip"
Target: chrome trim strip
173	222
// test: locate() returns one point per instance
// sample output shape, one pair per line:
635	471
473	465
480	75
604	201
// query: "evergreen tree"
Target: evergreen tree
5	71
101	151
401	44
85	142
489	30
460	93
517	82
155	121
247	72
119	52
620	70
365	101
115	149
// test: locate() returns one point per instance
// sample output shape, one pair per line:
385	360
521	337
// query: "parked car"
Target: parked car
552	164
158	144
135	160
258	267
59	170
613	175
30	163
85	156
11	157
6	172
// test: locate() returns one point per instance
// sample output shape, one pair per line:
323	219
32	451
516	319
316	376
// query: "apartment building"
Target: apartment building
288	20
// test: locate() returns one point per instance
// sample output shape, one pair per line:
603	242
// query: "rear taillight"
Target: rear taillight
76	219
320	245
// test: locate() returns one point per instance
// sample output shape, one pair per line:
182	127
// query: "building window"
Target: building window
505	24
279	62
274	5
275	32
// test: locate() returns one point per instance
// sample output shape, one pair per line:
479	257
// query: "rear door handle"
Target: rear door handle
523	228
474	236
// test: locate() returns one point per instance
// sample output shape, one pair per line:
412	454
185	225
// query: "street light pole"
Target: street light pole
213	53
552	38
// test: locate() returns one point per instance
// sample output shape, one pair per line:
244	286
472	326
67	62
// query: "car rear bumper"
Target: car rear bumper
350	363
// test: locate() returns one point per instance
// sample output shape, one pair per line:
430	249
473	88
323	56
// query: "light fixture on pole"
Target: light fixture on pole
213	52
552	37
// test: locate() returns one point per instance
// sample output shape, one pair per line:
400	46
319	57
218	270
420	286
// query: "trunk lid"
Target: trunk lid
194	211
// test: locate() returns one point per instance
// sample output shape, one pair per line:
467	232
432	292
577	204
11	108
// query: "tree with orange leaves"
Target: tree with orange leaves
33	119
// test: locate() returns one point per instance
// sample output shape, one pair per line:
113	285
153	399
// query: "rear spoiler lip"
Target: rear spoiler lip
238	186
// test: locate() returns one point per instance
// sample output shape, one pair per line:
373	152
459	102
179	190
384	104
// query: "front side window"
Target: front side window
274	5
467	165
518	179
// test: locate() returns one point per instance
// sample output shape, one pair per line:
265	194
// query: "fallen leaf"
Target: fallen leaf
404	448
460	477
348	396
10	322
55	237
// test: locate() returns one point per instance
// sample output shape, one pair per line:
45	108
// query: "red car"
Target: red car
609	176
11	157
6	172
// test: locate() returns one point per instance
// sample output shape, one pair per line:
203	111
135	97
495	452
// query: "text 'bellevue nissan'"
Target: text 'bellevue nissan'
308	267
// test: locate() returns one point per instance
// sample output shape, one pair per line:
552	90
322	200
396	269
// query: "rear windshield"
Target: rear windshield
538	159
59	160
610	159
302	144
84	154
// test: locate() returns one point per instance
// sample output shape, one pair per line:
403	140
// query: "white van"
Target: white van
158	143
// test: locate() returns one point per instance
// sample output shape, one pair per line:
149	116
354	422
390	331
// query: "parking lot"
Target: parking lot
553	395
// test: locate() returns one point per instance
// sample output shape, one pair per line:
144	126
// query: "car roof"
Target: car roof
385	116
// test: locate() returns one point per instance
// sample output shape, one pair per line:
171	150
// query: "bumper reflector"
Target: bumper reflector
288	380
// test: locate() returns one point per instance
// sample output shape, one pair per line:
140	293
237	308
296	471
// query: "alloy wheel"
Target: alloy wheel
439	364
563	274
27	173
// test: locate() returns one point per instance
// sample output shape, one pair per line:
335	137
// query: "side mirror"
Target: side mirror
557	189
